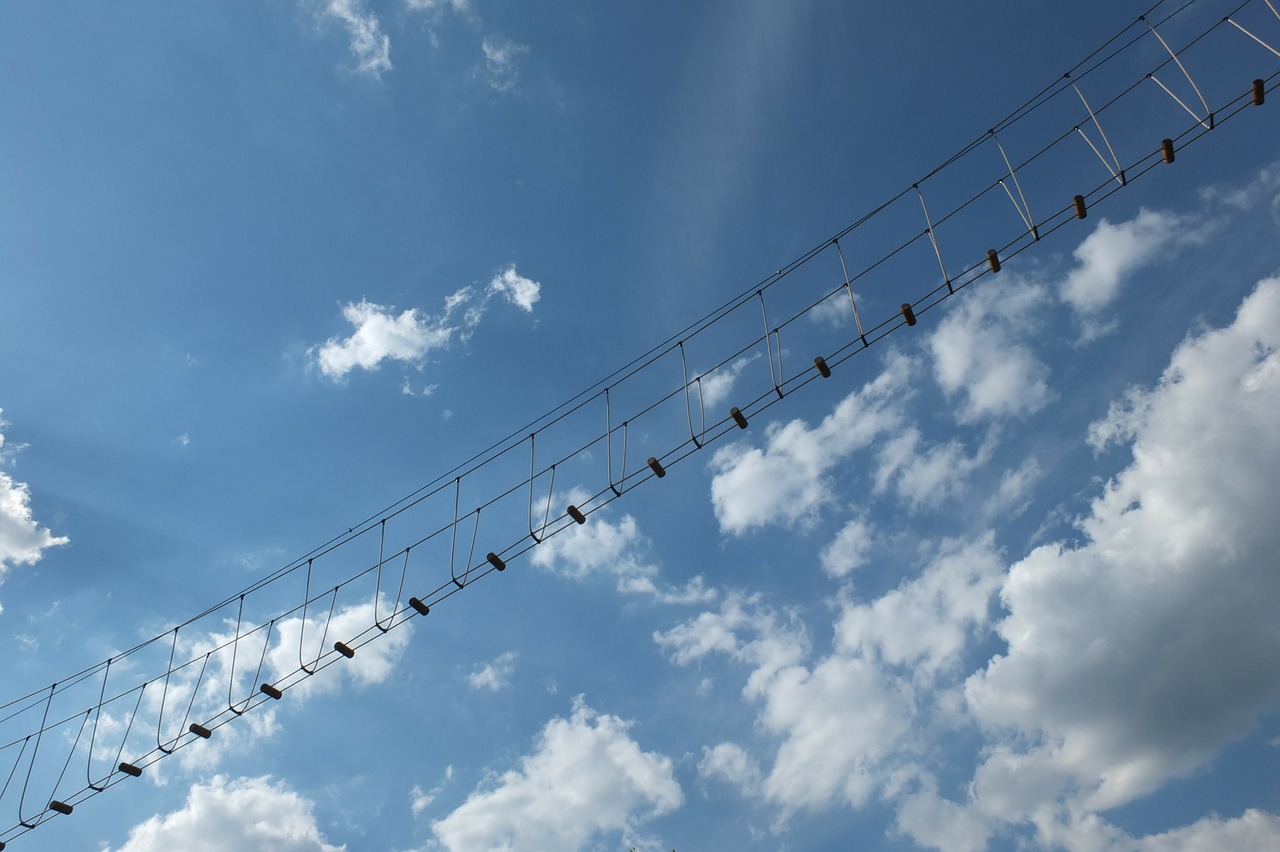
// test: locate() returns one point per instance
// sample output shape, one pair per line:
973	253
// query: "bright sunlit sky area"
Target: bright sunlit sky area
1007	578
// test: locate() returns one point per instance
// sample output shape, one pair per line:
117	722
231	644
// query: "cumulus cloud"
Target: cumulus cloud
231	815
502	62
410	336
494	676
370	46
586	777
1136	656
844	720
616	549
23	540
924	623
980	352
787	481
1111	252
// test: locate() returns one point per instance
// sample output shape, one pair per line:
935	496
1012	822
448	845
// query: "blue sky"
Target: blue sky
1005	580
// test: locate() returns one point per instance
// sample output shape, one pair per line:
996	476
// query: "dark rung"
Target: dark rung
1166	150
576	514
821	364
1081	210
1259	92
737	417
657	467
344	649
993	260
496	561
419	606
908	314
130	769
200	731
270	691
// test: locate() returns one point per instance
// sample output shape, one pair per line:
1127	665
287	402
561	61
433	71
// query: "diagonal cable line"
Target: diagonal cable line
180	687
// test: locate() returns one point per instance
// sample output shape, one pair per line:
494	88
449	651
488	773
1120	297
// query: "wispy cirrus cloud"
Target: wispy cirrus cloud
370	46
502	62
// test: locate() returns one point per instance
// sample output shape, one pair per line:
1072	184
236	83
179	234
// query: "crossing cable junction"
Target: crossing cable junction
1050	162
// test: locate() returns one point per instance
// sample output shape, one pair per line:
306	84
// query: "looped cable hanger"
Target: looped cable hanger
93	737
302	629
688	403
1114	167
17	761
848	288
933	238
54	804
35	752
404	570
1023	208
235	653
546	514
616	486
164	695
772	339
471	553
123	740
1207	120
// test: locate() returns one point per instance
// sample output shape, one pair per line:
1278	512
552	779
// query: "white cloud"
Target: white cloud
22	540
408	337
924	623
844	722
1253	829
849	550
787	482
516	289
730	763
1015	486
717	385
601	546
980	352
380	335
586	777
1135	657
1111	252
232	816
935	823
925	476
370	46
502	61
494	676
462	7
419	801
